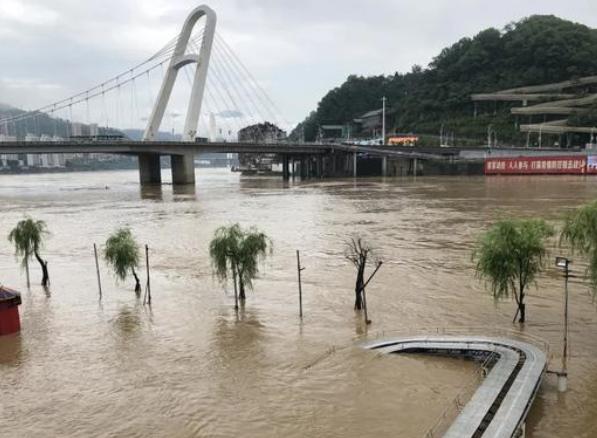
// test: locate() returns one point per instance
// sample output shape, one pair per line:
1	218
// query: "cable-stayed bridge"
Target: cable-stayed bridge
223	98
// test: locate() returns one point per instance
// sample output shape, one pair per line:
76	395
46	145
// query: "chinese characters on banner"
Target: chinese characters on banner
540	165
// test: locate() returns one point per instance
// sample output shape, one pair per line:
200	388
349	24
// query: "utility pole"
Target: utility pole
564	263
489	137
299	268
540	137
383	120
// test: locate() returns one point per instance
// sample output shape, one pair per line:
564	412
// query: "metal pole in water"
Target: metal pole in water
383	121
367	320
99	281
563	262
566	275
148	287
299	269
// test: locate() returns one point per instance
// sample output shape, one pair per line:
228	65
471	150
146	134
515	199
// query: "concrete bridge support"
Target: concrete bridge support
183	169
150	171
285	168
319	166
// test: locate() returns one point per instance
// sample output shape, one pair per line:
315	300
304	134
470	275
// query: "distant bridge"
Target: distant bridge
312	159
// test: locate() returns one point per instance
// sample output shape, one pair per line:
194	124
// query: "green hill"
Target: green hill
535	50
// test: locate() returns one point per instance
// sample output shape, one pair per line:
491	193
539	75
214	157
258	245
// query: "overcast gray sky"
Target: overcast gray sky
296	49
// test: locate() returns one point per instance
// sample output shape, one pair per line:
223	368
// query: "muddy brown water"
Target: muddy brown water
189	367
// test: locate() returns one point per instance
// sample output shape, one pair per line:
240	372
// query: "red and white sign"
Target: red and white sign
561	165
592	164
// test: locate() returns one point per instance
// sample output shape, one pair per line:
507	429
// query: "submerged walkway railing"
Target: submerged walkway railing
514	369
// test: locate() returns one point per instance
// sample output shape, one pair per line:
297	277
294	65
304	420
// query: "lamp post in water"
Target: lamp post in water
383	120
564	263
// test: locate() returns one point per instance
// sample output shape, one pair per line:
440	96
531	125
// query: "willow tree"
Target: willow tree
580	231
238	252
28	238
122	253
510	255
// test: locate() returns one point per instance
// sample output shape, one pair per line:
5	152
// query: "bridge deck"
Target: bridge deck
181	148
158	147
500	405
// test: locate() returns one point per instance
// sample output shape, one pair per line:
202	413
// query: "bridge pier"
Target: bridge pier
183	168
319	167
285	168
384	166
150	171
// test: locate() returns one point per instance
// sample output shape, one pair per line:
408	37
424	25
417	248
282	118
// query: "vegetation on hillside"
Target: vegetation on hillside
536	50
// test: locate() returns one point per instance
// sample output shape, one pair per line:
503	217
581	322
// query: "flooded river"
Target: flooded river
189	367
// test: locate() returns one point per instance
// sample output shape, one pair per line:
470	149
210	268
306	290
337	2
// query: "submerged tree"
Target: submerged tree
238	252
510	255
358	252
122	253
28	238
580	231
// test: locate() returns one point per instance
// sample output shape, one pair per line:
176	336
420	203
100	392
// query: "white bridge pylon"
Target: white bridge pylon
179	59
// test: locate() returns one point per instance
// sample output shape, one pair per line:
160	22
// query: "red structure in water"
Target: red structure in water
9	311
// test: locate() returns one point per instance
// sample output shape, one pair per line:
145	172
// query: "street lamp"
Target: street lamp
383	120
489	131
564	263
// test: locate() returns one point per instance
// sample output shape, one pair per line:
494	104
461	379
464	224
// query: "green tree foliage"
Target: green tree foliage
238	252
580	231
510	255
122	253
28	238
536	50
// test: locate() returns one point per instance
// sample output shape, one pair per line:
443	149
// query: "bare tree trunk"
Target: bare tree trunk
45	281
241	294
521	304
358	290
27	271
522	313
137	283
235	289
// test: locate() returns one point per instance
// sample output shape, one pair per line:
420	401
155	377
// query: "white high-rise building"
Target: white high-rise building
32	160
93	130
213	133
76	129
46	160
5	158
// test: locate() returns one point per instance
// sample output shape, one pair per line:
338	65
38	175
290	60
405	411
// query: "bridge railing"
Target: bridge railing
465	392
457	403
482	331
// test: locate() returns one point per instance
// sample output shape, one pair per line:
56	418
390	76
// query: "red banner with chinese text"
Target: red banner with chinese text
561	165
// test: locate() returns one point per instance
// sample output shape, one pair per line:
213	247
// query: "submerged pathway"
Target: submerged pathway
500	405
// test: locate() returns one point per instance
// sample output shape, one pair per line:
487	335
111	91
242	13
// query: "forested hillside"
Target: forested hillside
535	50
